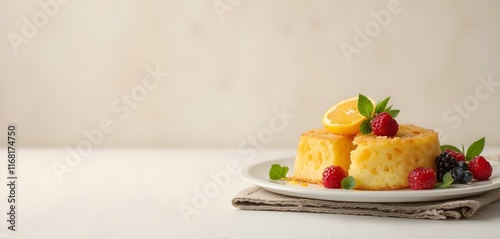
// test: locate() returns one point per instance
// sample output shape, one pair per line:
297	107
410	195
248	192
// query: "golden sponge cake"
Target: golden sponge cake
318	149
376	162
383	163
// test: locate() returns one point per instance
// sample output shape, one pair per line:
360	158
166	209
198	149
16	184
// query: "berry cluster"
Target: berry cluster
461	171
452	166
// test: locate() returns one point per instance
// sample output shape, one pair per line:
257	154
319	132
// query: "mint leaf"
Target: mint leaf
284	171
348	182
366	127
475	149
381	105
393	113
447	181
278	172
447	146
365	106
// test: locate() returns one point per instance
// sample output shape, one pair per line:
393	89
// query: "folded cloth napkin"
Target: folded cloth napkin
256	198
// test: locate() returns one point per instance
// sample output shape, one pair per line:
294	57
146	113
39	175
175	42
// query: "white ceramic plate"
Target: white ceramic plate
258	174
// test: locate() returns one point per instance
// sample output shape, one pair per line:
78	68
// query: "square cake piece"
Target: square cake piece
318	149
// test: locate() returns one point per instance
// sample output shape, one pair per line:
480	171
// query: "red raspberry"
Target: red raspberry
457	155
422	178
384	125
332	176
480	168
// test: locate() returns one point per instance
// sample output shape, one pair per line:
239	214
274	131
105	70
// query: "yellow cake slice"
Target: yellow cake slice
318	149
383	163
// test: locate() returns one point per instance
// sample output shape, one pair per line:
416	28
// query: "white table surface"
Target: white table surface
136	193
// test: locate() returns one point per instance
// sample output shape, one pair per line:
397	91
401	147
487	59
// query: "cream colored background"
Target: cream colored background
227	76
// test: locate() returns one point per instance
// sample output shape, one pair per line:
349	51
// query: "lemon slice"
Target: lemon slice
344	117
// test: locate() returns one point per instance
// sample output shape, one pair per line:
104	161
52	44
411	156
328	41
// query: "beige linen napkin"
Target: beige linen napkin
256	198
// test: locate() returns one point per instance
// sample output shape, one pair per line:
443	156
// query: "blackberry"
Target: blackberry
444	163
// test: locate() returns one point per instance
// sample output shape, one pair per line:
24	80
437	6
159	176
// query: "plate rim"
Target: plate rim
400	195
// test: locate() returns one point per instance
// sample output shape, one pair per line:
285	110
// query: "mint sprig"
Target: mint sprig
447	181
365	108
348	182
473	150
278	172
